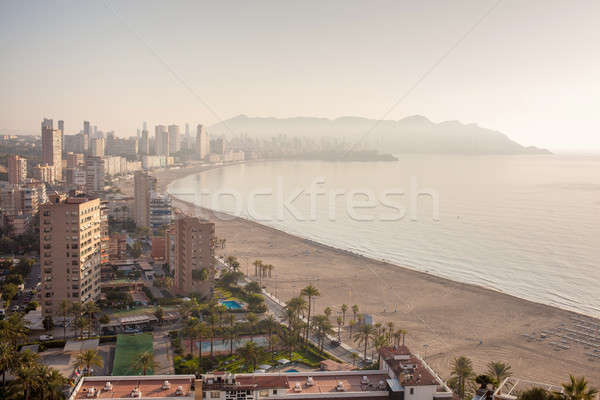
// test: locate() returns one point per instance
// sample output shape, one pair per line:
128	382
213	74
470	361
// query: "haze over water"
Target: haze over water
528	226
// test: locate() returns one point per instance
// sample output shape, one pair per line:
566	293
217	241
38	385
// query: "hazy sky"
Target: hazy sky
531	69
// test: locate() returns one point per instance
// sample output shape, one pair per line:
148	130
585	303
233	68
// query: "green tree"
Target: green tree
461	373
9	291
365	333
380	341
577	389
145	362
499	371
340	322
355	312
251	353
344	311
321	327
309	291
88	359
8	359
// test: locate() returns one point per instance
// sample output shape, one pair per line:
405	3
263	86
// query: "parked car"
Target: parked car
44	338
131	330
15	308
335	343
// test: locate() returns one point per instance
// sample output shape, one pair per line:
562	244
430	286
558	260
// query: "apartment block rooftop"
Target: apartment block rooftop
140	387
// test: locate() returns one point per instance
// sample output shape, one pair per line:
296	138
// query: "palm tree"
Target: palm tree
364	334
212	323
257	264
351	325
145	362
399	334
250	352
252	321
65	308
321	327
327	311
340	322
270	324
344	311
379	342
199	331
88	359
499	371
355	311
54	383
390	332
577	389
462	372
8	358
14	328
379	328
310	291
29	377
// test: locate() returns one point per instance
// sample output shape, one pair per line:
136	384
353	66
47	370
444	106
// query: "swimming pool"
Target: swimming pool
292	370
231	304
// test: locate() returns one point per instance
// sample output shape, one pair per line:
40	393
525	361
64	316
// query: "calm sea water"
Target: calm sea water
524	225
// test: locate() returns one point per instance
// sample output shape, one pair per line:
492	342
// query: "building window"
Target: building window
412	390
215	395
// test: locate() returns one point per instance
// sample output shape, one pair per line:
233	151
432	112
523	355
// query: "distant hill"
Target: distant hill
415	134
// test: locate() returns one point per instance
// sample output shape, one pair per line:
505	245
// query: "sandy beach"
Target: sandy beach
444	319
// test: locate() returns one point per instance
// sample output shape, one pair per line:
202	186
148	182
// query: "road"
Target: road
343	352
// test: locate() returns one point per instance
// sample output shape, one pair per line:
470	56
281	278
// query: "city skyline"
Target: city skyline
527	70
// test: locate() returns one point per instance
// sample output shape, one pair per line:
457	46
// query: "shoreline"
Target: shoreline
444	318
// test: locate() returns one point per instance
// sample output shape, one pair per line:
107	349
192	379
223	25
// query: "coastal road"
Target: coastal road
342	352
276	307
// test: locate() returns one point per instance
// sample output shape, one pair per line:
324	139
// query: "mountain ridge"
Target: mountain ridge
412	134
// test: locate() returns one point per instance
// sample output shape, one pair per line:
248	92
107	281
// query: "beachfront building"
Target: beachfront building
164	387
160	211
410	378
193	256
161	140
202	142
144	185
70	250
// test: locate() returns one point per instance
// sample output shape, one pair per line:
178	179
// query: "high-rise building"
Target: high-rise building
161	140
74	160
174	139
44	173
144	146
144	185
194	255
17	169
94	174
52	147
97	147
61	128
87	132
202	142
70	251
217	146
160	210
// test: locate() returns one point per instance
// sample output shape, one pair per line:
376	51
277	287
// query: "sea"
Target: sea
528	226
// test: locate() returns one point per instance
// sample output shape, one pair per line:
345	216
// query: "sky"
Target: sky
530	69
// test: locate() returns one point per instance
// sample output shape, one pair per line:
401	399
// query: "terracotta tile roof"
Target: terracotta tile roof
408	368
122	388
